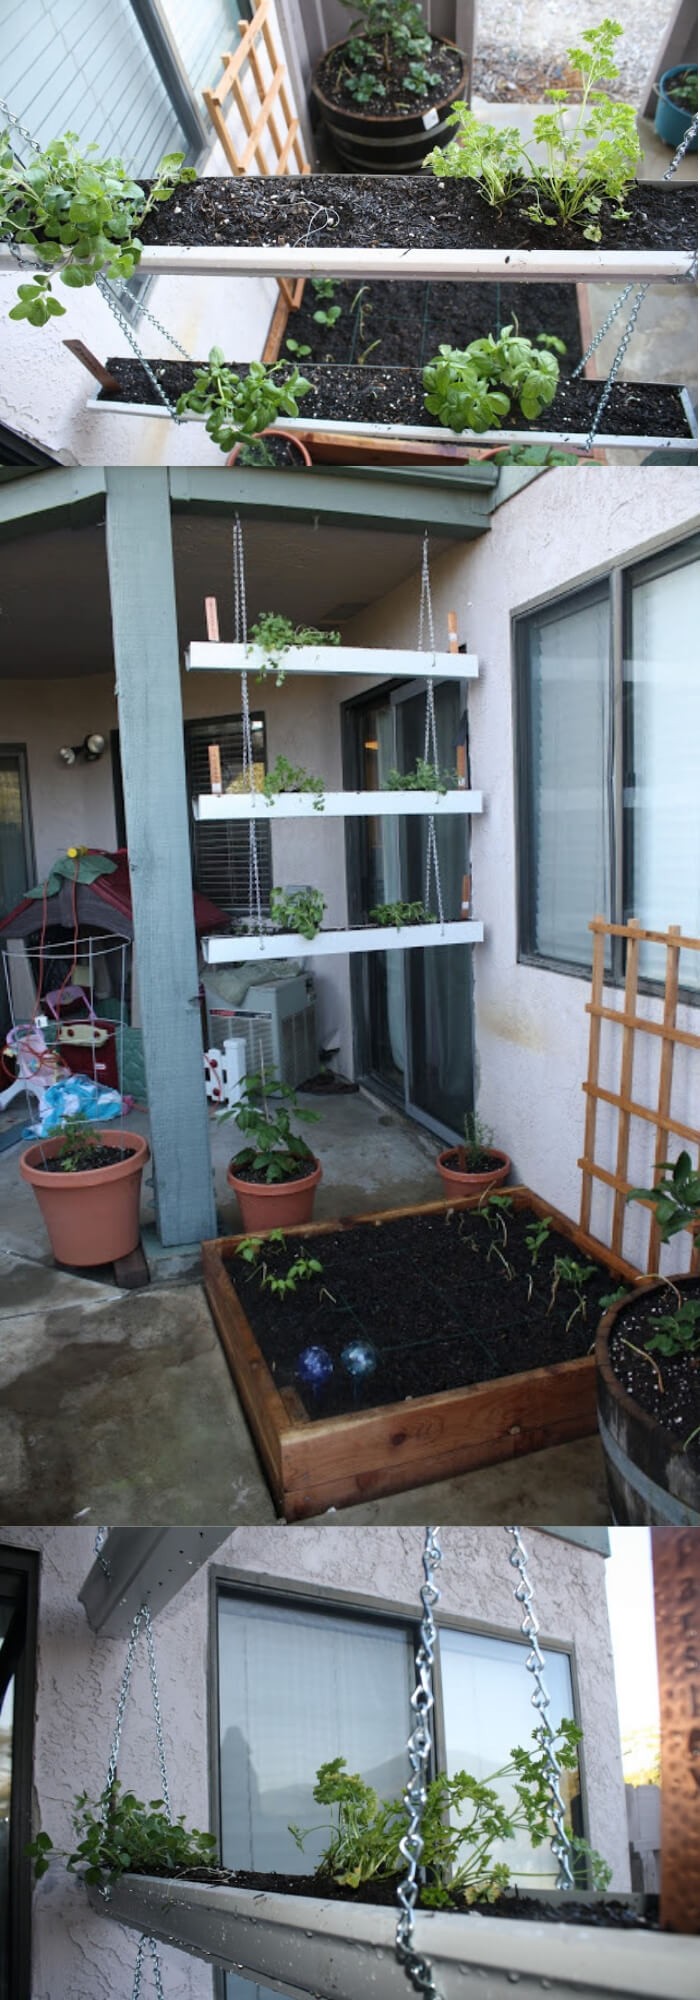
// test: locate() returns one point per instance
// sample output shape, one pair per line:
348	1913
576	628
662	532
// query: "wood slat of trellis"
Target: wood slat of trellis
272	116
631	1024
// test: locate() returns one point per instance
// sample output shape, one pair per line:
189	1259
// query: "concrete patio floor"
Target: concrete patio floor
119	1406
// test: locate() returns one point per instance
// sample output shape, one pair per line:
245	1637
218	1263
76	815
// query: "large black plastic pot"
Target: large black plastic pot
383	142
651	1482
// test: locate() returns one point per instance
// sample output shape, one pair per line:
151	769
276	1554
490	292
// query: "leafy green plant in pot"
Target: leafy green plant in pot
475	1165
677	105
87	1182
275	1174
648	1372
384	92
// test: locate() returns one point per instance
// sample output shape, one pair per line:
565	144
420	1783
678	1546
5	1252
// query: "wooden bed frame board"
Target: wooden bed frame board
313	1464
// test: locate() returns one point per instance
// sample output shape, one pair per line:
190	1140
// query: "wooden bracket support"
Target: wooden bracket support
94	367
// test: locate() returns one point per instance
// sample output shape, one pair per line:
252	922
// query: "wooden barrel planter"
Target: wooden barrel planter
386	142
650	1479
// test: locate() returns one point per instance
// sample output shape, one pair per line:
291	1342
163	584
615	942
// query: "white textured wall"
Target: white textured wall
531	1030
80	1957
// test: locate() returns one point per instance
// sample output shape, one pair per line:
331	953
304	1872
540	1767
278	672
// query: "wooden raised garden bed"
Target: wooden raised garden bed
314	1460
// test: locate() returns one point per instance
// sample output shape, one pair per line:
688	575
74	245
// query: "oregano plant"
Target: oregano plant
237	407
79	214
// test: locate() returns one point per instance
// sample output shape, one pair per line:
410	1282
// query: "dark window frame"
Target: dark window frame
225	1580
191	723
22	1567
617	584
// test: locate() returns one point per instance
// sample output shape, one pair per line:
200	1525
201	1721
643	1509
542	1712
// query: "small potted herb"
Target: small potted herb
475	1165
648	1372
677	105
473	389
87	1182
384	92
275	1175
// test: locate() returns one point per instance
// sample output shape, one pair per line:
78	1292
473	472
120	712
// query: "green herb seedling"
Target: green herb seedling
393	916
286	777
535	1237
120	1833
677	1332
298	910
237	407
424	777
569	1272
302	1267
274	634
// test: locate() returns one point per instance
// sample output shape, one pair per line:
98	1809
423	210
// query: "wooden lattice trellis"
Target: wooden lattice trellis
631	1023
266	110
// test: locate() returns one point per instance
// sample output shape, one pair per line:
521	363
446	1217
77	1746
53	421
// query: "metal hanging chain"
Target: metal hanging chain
618	359
417	1966
240	619
142	1617
425	616
157	1968
560	1842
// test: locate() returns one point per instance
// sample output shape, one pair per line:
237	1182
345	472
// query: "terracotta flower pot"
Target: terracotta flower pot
275	1204
459	1184
91	1217
272	432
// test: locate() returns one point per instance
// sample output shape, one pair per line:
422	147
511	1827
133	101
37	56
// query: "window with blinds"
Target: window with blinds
608	764
221	854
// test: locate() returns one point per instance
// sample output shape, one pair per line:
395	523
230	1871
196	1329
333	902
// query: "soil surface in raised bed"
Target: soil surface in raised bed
396	396
445	63
410	322
405	211
612	1912
431	1298
98	1156
676	1405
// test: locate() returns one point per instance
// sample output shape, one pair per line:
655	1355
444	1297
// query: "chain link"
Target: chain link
615	367
416	1965
142	1618
688	136
560	1843
425	616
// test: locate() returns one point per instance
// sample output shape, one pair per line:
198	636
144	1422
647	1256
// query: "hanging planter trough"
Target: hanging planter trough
333	805
315	1460
363	937
389	403
404	226
311	1945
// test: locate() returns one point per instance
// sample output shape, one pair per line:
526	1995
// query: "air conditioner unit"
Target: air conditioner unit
278	1022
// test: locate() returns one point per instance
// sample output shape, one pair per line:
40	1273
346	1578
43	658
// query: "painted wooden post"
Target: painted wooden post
146	652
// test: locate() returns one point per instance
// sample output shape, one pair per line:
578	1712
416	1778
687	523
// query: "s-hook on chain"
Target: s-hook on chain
560	1843
425	615
416	1965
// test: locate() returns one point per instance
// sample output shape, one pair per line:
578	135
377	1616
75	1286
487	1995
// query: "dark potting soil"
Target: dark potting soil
445	64
675	1406
396	396
410	322
612	1911
406	211
96	1156
480	1163
260	1179
431	1299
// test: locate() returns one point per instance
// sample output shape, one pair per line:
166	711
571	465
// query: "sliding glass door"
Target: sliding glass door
413	1017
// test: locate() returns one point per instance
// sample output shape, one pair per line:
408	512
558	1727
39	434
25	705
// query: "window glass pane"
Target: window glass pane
298	1687
487	1701
662	760
569	728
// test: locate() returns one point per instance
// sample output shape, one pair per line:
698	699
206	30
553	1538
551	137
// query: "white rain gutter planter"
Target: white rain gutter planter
378	937
210	655
430	433
339	1951
314	260
333	805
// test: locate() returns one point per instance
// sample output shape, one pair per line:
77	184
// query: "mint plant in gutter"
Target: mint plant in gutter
237	407
473	388
274	634
596	161
79	214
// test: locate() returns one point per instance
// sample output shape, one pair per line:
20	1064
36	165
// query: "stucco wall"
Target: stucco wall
531	1030
80	1957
